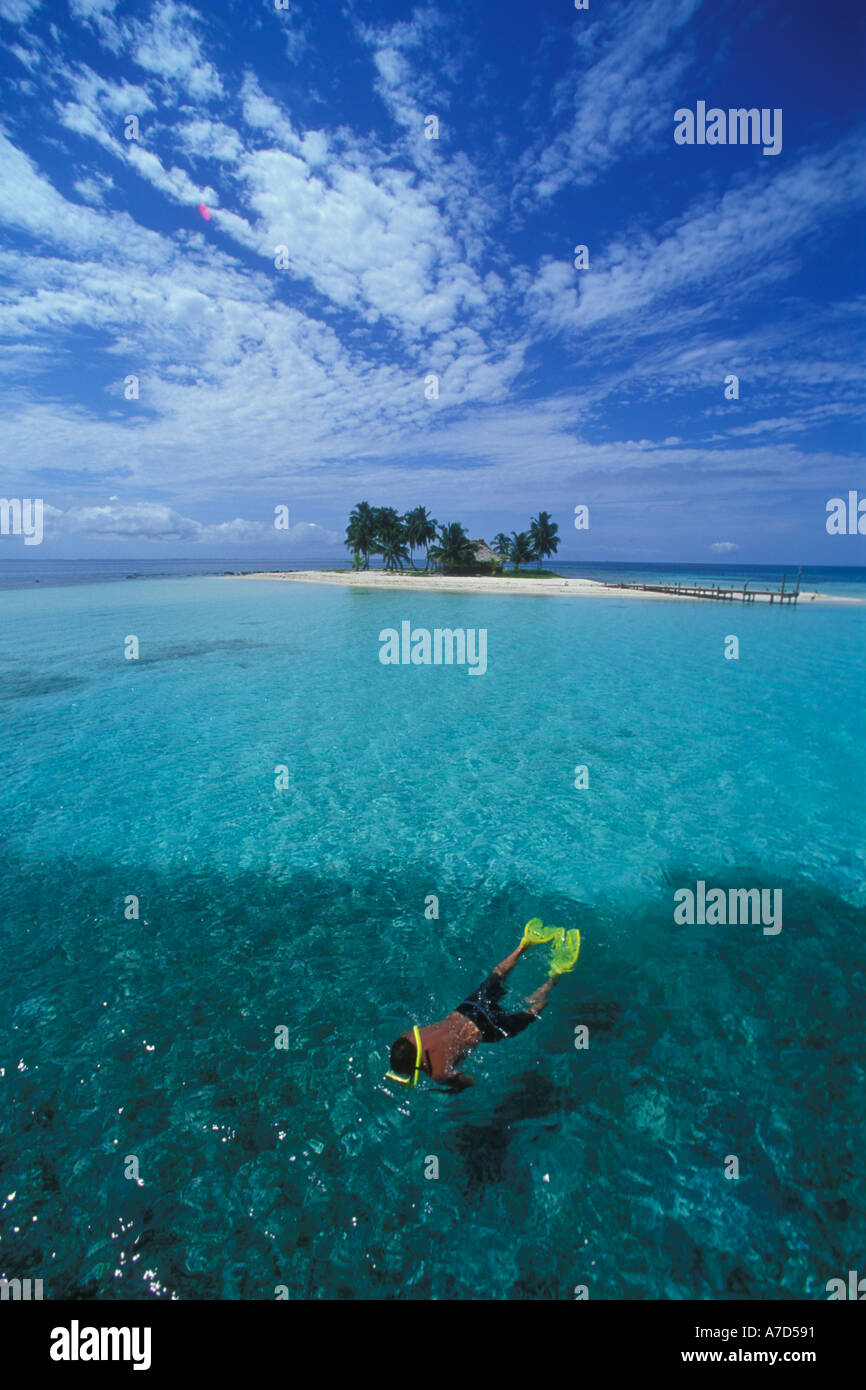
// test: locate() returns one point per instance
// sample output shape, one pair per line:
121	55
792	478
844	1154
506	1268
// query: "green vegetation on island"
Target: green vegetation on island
447	547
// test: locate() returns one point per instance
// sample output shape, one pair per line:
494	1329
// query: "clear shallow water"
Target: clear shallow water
306	908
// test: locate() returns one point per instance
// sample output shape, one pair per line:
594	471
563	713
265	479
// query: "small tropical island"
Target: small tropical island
384	532
452	561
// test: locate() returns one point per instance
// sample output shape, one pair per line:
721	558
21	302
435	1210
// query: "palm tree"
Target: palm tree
390	540
454	549
392	548
502	545
545	536
361	532
420	530
520	549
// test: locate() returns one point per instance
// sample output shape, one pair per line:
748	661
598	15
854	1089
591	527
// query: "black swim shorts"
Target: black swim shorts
494	1024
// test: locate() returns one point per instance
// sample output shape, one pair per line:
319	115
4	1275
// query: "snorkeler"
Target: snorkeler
438	1048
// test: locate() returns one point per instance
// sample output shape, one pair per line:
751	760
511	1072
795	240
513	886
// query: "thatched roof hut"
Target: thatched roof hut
483	554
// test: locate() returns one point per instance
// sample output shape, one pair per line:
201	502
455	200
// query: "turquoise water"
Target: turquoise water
305	907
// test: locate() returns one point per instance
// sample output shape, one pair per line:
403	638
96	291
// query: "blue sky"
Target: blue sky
305	386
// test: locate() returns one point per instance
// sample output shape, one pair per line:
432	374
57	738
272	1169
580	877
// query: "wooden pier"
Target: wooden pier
724	594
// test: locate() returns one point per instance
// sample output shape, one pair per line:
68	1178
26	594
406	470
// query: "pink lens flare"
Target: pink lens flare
205	211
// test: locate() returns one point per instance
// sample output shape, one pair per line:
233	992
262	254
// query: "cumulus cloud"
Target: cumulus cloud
156	522
367	239
724	547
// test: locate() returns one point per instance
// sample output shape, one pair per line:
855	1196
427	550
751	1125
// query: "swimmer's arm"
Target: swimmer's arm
458	1081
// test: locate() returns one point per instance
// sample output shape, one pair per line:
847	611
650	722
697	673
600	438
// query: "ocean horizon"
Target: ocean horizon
848	580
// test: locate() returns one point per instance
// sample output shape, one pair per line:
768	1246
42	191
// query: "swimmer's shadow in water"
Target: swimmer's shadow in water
484	1148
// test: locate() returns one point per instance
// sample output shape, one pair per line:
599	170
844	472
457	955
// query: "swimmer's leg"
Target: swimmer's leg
538	1001
506	966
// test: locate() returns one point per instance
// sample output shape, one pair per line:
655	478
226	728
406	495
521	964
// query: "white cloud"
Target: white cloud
617	98
723	248
99	15
370	241
30	58
156	522
18	11
148	521
85	120
367	235
262	113
408	89
724	547
175	182
210	140
94	188
167	46
119	98
91	9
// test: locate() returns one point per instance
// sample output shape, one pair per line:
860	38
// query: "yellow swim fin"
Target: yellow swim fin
534	933
565	952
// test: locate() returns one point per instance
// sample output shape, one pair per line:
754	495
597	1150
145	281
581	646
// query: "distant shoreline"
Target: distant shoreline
490	584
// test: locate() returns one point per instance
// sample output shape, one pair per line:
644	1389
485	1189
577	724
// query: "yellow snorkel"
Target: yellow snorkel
405	1080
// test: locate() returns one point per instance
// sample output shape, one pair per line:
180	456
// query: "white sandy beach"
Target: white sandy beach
489	584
